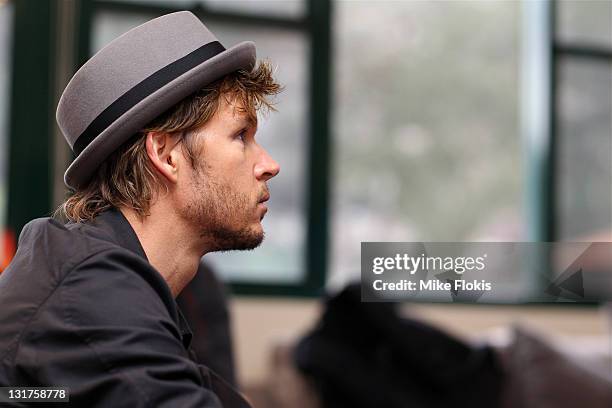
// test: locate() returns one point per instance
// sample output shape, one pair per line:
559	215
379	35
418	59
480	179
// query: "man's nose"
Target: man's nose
267	167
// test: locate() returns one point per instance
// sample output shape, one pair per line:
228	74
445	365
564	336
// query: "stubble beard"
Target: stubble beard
223	216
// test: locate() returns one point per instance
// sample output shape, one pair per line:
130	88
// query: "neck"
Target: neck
169	245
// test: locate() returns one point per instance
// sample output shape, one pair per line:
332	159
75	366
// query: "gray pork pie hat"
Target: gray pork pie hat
136	78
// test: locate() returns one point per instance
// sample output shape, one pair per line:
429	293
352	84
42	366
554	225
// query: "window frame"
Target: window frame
562	52
31	119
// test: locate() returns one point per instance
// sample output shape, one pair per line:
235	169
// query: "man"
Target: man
162	122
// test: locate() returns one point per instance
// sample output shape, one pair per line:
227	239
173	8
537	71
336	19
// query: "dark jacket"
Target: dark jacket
81	307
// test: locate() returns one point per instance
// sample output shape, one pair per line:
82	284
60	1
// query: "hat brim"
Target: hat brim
80	171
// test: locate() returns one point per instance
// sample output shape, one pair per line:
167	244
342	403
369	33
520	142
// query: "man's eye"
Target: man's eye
242	136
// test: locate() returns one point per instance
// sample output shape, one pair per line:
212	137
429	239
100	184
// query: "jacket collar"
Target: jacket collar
114	223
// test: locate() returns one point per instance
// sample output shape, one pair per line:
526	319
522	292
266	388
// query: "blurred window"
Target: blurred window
426	139
584	121
584	151
275	8
585	21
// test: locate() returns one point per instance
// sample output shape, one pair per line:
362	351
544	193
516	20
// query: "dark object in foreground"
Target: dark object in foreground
204	304
364	355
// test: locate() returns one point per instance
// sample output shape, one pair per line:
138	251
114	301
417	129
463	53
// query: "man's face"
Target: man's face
224	196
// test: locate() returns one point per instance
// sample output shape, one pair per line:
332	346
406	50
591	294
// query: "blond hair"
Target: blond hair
127	178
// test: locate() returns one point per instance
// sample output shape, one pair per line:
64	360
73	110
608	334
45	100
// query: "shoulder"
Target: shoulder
61	246
109	299
107	335
75	271
59	249
49	251
116	285
46	254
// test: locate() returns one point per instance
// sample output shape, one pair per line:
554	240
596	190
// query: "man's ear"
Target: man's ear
163	151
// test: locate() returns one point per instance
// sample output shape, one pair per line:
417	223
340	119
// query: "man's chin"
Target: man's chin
243	240
248	244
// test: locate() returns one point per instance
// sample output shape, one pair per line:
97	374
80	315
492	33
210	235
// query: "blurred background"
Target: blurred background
400	121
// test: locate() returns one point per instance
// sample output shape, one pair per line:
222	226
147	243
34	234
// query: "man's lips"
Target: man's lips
262	204
265	198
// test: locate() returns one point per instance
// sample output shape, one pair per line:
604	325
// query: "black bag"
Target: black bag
364	355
